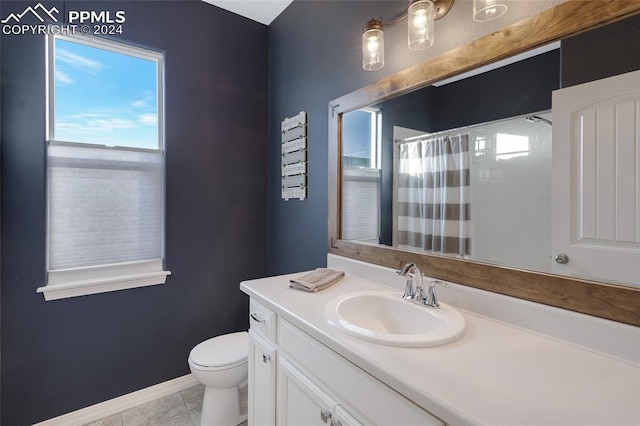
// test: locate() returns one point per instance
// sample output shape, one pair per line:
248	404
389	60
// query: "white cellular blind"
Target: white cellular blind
105	206
360	203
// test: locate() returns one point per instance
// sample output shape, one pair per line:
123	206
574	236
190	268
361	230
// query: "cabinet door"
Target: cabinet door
300	402
262	382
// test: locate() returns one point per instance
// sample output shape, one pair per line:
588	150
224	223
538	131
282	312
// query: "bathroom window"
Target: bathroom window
362	136
105	167
361	163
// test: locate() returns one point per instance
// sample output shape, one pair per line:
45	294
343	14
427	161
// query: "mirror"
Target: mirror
502	189
367	166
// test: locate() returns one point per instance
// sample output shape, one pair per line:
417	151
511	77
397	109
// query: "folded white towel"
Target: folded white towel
316	280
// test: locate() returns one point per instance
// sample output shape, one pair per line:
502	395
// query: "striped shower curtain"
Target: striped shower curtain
433	195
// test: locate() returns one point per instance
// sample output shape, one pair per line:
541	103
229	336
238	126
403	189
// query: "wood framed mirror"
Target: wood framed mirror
610	301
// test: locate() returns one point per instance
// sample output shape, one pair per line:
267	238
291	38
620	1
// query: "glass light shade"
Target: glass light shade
373	49
487	10
420	17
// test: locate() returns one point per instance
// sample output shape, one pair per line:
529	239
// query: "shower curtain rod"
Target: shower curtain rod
465	128
435	134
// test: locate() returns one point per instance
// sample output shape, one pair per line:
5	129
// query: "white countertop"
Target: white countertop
495	374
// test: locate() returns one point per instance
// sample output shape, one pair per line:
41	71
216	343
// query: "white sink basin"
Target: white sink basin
385	318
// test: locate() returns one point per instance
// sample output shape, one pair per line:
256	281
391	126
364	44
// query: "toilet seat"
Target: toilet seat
222	352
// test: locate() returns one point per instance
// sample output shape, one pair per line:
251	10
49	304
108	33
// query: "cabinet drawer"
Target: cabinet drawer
262	321
379	405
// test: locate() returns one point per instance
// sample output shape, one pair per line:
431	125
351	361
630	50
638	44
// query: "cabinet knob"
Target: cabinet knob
325	415
336	423
266	358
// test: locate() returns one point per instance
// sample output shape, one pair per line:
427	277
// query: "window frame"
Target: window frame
376	137
72	282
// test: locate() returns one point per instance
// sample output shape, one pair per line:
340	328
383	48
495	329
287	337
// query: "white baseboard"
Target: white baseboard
121	403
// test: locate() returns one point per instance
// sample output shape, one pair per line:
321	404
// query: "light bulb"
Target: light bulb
420	20
373	44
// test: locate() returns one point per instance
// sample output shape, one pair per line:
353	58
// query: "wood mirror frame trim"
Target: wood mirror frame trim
603	300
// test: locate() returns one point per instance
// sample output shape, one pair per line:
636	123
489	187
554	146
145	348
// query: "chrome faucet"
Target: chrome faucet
414	290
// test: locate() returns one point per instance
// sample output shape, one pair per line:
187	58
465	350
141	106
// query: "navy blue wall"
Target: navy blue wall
314	57
60	356
603	52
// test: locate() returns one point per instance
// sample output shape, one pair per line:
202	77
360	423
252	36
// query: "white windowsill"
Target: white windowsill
83	281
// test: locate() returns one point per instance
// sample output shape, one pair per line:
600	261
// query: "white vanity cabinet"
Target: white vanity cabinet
261	397
296	380
312	367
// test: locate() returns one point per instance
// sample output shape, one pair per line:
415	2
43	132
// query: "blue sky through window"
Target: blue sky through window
104	97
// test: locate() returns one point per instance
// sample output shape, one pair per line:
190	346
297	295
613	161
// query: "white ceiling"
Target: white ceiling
263	11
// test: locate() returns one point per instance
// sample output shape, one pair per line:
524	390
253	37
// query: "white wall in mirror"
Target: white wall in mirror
511	193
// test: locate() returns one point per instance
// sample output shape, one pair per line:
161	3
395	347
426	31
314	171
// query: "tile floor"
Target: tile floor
178	409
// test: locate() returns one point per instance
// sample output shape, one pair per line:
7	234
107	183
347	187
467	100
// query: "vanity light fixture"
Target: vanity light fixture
488	10
420	18
373	46
421	15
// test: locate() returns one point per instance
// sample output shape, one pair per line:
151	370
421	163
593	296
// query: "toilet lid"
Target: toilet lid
221	351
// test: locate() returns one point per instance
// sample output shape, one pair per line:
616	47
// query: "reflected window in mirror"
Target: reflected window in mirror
361	163
361	143
510	146
511	162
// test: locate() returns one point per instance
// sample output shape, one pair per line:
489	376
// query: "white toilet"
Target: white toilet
221	365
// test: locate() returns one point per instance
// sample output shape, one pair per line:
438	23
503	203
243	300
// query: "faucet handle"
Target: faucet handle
431	301
440	283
